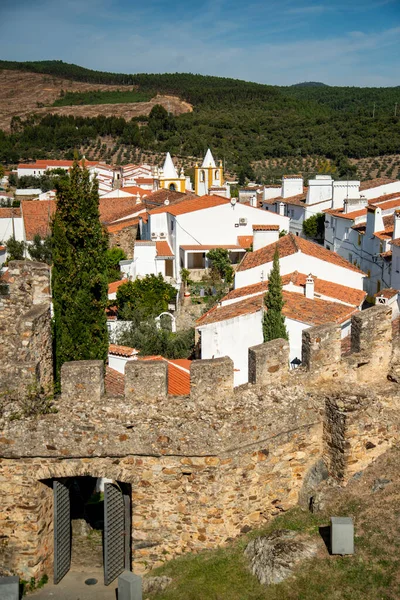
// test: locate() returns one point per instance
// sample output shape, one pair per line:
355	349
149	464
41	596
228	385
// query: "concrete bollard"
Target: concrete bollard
129	586
9	588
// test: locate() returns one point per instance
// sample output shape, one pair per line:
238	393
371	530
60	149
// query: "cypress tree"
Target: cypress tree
79	276
274	322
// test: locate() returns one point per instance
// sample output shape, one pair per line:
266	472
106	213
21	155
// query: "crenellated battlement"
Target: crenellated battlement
212	380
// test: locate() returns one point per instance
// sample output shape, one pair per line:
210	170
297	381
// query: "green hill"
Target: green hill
242	121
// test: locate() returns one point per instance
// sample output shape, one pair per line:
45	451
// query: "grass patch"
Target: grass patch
223	574
99	97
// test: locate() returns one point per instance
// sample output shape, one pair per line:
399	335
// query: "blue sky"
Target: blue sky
343	42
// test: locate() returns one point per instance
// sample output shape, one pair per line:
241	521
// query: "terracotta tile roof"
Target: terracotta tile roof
122	350
245	241
37	215
231	311
384	198
112	287
43	163
247	290
387	293
112	209
388	204
298	199
386	255
296	307
120	225
191	205
290	244
373	183
135	189
321	287
327	288
338	212
163	249
178	374
3	248
293	177
8	213
314	312
265	227
179	377
114	382
210	247
395	242
157	198
144	180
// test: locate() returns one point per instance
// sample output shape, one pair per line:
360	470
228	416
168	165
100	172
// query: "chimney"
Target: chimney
396	229
281	209
292	185
253	201
374	220
264	235
138	199
309	289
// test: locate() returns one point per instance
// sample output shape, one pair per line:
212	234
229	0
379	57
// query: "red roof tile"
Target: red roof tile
265	227
290	244
112	287
191	205
231	311
135	189
321	287
245	241
387	293
121	225
8	213
297	307
114	382
373	183
122	350
163	249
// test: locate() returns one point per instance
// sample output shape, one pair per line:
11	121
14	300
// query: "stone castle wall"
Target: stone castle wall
205	467
25	331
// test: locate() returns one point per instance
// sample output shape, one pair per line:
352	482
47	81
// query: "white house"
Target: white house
194	226
235	325
298	254
361	232
11	224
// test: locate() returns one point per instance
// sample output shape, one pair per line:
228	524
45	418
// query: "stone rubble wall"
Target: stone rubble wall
205	467
25	329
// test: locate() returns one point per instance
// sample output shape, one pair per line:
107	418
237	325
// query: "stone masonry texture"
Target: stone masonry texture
205	467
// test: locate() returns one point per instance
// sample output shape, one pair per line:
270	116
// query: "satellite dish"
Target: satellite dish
166	202
233	201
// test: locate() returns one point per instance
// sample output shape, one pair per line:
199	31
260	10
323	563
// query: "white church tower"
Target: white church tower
208	175
169	178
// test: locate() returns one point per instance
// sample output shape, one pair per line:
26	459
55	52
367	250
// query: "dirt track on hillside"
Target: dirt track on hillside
20	94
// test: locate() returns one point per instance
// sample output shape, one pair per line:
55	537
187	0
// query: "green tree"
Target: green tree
144	298
15	249
41	249
274	322
150	340
220	264
113	256
1	171
79	276
314	226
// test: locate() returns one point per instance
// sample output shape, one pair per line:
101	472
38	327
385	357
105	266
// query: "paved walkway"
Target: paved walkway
73	587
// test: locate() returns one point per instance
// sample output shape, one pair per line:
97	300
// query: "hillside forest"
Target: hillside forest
244	123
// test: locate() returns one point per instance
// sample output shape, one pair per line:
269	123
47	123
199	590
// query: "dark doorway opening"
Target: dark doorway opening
92	525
